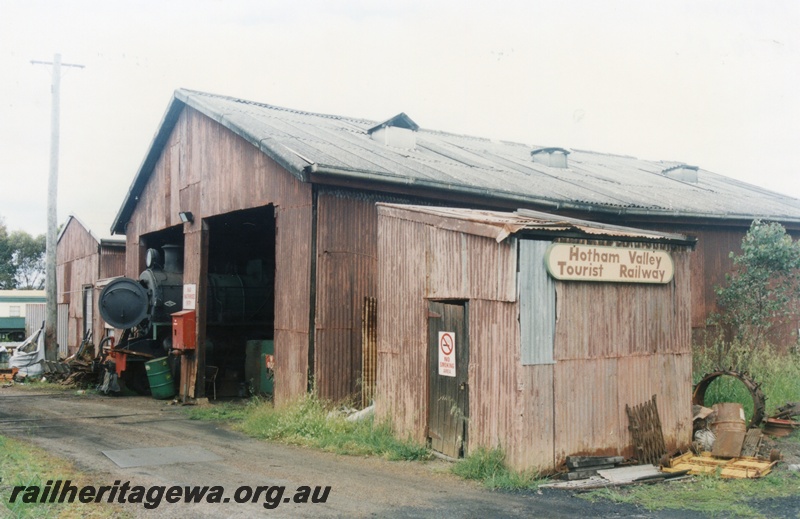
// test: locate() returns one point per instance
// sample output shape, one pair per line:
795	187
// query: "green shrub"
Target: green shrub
763	288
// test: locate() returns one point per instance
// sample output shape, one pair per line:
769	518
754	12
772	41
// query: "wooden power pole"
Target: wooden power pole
50	284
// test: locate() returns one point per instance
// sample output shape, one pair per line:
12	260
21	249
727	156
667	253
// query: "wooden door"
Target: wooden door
448	361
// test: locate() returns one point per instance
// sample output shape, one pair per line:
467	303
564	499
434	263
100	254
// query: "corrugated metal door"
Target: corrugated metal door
448	354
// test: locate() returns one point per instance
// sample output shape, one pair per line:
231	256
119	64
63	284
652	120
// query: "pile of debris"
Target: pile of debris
590	472
28	362
722	444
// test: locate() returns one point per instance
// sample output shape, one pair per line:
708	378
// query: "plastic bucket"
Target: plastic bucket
730	417
160	378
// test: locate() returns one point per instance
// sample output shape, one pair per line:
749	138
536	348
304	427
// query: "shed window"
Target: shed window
14	311
537	304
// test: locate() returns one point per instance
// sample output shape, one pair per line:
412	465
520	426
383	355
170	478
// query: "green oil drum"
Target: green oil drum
160	378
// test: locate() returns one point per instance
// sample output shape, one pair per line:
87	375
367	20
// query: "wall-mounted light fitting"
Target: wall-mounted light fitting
186	216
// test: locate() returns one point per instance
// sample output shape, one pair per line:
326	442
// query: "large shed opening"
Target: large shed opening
241	301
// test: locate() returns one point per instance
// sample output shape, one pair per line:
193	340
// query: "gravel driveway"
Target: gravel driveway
81	427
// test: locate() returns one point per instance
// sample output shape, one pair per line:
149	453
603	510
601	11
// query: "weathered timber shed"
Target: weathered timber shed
530	332
287	199
83	259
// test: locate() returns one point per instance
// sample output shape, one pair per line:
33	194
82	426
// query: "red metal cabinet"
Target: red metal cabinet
184	330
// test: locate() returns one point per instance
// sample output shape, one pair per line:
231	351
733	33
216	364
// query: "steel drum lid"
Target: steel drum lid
123	303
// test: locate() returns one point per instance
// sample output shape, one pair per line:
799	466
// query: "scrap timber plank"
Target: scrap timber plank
752	442
579	462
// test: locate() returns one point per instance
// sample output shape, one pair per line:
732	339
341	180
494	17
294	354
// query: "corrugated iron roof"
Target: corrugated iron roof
499	225
329	146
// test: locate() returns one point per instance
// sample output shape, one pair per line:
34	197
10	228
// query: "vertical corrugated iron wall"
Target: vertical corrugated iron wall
402	391
208	170
78	266
619	344
34	317
420	262
510	404
615	344
346	274
369	334
292	300
112	262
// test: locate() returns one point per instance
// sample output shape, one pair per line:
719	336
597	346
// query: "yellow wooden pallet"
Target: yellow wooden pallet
705	463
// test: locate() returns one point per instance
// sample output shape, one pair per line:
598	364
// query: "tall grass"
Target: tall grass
778	374
312	422
488	466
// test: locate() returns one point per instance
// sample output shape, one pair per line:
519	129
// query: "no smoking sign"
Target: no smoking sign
447	354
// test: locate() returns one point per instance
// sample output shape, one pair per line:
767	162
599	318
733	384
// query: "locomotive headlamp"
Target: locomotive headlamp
153	259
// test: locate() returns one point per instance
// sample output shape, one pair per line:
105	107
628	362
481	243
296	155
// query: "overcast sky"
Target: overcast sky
710	83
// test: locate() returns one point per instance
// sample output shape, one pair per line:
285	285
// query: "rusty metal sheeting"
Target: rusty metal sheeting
705	463
539	414
75	241
369	334
346	273
463	266
625	319
292	301
402	329
618	344
499	225
645	427
510	405
586	403
112	261
78	267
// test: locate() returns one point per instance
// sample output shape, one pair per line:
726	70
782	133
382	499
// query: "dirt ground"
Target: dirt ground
81	427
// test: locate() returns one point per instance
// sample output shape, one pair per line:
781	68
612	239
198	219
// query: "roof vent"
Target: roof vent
553	157
682	172
398	132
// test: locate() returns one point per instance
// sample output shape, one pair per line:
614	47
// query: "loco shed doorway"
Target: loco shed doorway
240	306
